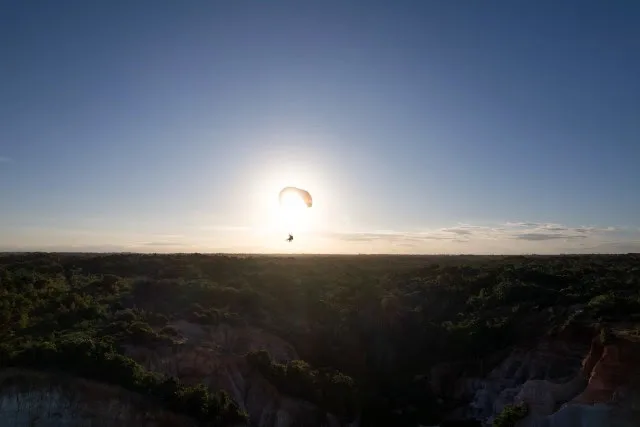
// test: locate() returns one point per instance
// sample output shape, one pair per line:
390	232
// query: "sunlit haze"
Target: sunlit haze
417	126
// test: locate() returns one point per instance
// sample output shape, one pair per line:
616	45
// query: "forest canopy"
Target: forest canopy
367	328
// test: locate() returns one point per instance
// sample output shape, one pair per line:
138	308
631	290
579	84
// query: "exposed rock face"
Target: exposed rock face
551	360
611	369
30	399
611	397
214	355
564	382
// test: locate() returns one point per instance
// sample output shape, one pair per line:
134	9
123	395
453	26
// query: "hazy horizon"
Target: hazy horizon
418	127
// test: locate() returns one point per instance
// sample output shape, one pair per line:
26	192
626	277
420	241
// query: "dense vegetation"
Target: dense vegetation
368	328
99	361
332	391
510	415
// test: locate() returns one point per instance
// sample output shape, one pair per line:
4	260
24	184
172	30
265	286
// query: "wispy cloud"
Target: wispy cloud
377	236
5	159
64	248
479	236
521	224
504	238
617	247
229	228
160	244
545	231
169	236
459	231
547	236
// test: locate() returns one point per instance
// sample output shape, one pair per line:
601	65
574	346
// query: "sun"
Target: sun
287	215
276	213
293	214
292	203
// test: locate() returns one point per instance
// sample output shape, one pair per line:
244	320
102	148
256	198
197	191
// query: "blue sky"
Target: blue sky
418	126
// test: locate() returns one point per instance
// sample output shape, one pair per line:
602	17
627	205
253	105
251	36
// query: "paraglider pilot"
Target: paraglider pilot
303	194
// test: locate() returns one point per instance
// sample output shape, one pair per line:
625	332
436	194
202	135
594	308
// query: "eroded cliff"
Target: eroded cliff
214	355
564	381
33	399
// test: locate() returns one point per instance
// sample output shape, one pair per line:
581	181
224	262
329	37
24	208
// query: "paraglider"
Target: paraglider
292	193
291	197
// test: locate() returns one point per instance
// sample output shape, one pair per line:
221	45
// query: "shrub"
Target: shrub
510	415
330	390
99	361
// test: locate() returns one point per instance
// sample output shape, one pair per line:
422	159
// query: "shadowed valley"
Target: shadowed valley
322	340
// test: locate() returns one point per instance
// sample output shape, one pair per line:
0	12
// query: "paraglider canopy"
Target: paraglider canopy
293	195
294	203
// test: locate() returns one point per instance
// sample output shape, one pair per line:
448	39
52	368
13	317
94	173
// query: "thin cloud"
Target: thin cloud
506	238
556	228
617	247
521	224
396	237
106	248
547	236
388	237
464	233
169	236
229	228
541	232
5	159
160	244
459	231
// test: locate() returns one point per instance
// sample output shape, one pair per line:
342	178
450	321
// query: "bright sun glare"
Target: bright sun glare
292	203
275	217
293	214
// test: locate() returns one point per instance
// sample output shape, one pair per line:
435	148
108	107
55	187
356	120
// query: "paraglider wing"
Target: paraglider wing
303	194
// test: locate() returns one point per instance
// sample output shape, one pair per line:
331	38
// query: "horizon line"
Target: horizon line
23	252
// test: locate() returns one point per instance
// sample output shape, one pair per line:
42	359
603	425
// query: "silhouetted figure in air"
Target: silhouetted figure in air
290	238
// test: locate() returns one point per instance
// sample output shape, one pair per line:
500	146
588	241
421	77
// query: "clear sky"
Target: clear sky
418	126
